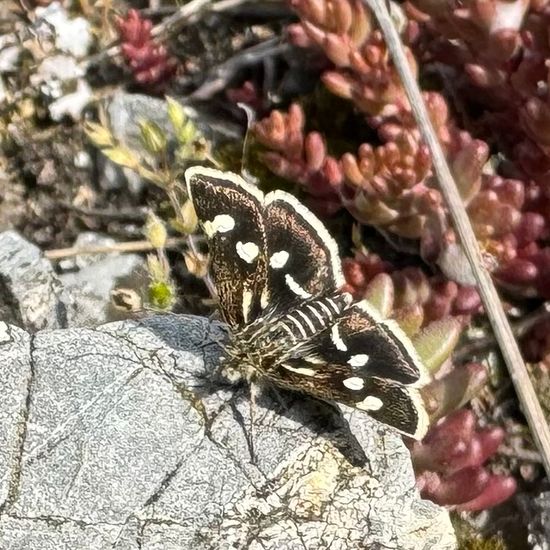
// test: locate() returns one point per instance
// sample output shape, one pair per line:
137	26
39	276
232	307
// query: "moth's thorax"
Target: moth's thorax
268	342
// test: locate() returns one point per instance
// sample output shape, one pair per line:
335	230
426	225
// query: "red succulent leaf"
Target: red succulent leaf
457	488
498	489
150	62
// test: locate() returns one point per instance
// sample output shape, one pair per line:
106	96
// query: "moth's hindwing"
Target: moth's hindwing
359	360
393	404
230	212
366	345
303	259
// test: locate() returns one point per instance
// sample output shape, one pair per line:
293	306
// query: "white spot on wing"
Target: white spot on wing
359	360
222	223
370	403
336	339
298	325
354	383
247	251
295	287
307	321
314	360
247	303
320	229
300	370
279	259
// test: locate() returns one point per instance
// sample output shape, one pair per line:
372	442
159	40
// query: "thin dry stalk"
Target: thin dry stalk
133	246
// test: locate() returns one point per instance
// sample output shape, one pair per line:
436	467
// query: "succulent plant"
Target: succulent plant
150	63
389	185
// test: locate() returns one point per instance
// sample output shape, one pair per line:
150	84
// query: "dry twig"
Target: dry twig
220	76
133	246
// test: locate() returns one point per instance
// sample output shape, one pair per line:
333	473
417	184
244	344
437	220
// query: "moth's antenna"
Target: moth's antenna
250	120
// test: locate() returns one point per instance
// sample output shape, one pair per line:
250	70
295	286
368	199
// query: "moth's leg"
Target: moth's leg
254	390
225	369
228	372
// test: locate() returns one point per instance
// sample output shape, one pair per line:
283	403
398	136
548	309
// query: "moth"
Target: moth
278	276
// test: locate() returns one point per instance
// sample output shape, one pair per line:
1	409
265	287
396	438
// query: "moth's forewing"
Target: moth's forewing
402	406
303	259
230	212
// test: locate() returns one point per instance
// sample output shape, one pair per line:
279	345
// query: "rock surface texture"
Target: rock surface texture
123	437
33	296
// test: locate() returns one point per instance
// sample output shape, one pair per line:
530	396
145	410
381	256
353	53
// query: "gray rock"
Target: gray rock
126	112
111	176
34	297
125	437
31	295
96	275
15	376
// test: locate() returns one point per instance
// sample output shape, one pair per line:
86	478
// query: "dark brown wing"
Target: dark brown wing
388	402
266	252
303	259
230	212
